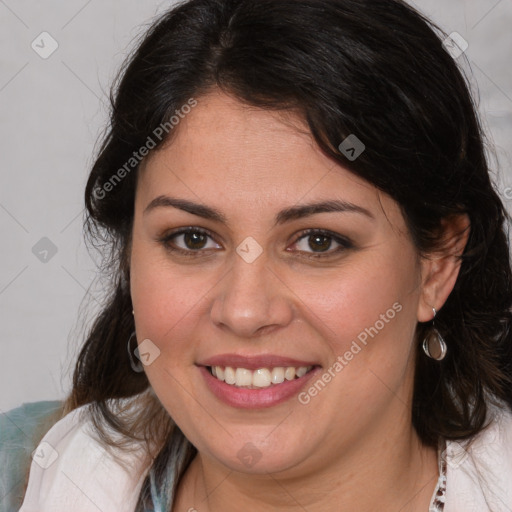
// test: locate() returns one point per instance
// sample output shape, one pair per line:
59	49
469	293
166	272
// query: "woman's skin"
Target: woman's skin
352	446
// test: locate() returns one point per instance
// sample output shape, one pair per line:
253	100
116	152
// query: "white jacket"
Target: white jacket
71	471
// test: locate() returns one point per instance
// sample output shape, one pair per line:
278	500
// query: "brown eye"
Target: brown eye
189	241
195	240
317	243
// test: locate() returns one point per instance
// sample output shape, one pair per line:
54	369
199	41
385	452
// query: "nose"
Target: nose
251	300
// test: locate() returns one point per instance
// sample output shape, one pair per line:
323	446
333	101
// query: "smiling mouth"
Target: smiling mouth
257	379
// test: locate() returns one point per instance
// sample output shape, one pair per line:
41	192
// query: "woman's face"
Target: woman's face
249	287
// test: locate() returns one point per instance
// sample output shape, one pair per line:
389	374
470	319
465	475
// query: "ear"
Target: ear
439	270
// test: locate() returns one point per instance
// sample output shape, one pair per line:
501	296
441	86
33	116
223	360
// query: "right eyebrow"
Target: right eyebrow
200	210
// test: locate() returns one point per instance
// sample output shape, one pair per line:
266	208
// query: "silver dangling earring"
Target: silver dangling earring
433	344
136	367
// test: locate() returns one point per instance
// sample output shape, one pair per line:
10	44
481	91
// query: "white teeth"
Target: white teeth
243	377
289	373
260	378
229	375
278	375
301	371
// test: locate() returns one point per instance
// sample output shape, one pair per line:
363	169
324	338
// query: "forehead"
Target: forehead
235	139
226	153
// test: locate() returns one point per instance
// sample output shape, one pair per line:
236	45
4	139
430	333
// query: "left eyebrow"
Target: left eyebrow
300	211
285	215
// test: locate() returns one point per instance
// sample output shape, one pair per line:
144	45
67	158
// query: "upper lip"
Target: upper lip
254	362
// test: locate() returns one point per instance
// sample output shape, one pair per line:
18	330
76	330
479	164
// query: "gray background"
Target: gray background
53	110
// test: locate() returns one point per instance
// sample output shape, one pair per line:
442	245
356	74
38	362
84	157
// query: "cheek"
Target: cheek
367	316
373	304
167	304
164	299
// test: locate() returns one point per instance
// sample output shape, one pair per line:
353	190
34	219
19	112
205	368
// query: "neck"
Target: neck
393	473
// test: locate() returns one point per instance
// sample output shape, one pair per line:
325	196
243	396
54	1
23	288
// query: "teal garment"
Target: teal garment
21	429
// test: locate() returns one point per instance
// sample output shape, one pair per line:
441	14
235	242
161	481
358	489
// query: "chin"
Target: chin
260	456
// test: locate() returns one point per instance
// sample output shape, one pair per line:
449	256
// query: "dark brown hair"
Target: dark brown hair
374	68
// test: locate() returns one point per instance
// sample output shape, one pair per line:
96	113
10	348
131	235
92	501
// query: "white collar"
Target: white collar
70	470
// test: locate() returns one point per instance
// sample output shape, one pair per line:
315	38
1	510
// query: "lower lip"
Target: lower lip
244	398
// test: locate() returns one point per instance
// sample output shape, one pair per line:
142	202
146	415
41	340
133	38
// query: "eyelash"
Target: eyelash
344	242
